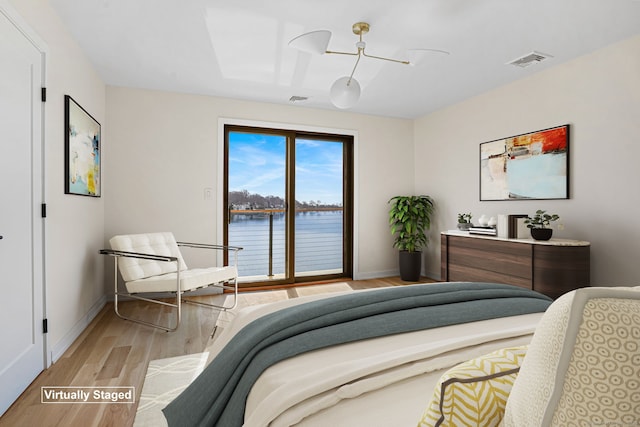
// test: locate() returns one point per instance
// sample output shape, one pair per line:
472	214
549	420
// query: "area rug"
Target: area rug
166	379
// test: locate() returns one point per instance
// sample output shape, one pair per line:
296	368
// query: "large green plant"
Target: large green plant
410	218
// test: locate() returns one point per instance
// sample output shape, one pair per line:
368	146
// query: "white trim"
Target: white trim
63	345
376	274
222	121
18	21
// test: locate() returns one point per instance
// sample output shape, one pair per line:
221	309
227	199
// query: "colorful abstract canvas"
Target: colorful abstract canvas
82	151
528	166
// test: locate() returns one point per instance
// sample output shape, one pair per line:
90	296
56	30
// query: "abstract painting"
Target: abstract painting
529	166
82	151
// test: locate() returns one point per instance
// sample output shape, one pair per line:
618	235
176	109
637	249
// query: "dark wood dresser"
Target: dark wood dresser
551	267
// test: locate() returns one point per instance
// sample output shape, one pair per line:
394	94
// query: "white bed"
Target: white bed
390	381
385	381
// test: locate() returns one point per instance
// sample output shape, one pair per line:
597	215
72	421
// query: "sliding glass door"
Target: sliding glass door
288	204
319	210
257	203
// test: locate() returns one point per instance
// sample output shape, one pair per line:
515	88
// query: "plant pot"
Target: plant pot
541	233
410	265
464	226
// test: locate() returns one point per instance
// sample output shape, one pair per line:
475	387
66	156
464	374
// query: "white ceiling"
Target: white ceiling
239	49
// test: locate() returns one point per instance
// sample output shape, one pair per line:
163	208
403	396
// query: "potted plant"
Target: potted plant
464	221
539	224
410	218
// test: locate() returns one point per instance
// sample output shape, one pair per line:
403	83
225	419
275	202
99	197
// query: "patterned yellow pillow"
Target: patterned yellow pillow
474	393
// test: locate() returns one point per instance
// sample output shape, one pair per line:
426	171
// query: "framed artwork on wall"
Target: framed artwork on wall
82	151
533	166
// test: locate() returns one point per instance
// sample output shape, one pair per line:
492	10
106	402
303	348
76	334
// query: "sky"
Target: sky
257	164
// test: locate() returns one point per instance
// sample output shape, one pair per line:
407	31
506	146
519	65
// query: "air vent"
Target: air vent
531	58
296	98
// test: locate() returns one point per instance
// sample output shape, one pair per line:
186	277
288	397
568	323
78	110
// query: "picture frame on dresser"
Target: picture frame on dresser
517	227
529	166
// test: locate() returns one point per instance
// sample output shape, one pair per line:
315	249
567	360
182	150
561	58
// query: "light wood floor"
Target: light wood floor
115	352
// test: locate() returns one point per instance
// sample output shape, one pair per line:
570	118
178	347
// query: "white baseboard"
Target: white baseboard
375	274
388	273
434	275
61	346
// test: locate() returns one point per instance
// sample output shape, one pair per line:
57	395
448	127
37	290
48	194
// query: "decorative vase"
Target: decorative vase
410	265
483	220
541	233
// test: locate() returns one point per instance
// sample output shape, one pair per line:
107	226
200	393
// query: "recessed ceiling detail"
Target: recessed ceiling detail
239	49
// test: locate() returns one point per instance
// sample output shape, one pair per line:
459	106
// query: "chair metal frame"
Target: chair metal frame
228	286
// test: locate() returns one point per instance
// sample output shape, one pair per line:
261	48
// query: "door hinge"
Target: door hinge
43	210
44	94
45	326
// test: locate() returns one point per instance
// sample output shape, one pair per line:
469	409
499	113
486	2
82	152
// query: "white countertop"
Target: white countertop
551	242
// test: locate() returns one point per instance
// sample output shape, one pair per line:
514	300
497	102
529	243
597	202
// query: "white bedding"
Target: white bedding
386	381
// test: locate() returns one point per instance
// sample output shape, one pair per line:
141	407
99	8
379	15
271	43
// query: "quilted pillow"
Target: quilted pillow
583	363
474	393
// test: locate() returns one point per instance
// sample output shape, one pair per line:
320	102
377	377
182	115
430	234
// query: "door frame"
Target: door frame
38	166
222	121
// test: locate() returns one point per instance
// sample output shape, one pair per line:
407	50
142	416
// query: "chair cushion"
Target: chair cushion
583	363
474	393
189	280
149	243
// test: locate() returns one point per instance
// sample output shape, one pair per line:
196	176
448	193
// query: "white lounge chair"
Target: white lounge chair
152	263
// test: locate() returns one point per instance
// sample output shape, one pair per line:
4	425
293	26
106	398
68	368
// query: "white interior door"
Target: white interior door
22	355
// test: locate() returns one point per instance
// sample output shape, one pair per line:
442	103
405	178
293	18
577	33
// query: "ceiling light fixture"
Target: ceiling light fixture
345	91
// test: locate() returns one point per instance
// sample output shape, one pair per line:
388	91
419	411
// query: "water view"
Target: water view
318	246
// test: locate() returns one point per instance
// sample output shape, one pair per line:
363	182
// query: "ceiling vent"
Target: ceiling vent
531	58
296	98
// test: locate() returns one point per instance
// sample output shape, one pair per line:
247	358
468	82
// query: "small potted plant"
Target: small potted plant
464	221
539	224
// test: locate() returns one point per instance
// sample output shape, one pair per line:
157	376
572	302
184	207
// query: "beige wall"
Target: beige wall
599	96
74	228
163	152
